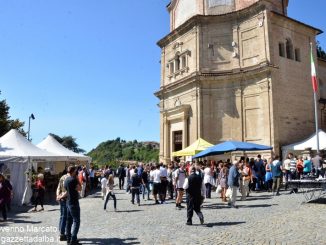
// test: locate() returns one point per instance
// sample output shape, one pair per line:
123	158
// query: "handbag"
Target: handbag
228	192
218	189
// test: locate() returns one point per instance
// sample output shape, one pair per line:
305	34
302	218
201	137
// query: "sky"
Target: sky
89	68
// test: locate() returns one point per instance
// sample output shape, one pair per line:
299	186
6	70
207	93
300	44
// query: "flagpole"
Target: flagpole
316	121
315	88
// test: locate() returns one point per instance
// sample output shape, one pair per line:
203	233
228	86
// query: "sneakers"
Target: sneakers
189	223
157	202
74	243
63	237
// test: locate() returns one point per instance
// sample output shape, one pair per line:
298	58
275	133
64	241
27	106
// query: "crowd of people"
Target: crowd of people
195	180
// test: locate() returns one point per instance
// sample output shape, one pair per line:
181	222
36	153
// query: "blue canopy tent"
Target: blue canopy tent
229	146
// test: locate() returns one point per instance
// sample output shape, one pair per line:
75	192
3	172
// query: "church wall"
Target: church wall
321	74
229	44
183	46
237	110
291	81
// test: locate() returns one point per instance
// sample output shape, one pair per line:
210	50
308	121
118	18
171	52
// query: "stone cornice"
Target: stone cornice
198	19
251	72
318	31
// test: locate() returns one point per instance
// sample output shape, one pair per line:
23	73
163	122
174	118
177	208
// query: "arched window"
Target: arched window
177	62
289	49
183	61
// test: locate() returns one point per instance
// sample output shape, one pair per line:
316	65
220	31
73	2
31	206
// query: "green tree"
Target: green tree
68	142
320	51
6	123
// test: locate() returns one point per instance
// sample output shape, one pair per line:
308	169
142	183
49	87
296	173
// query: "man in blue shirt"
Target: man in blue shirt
276	168
233	183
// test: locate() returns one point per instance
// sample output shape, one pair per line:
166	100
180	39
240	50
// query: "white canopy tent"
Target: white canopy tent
50	144
309	142
17	155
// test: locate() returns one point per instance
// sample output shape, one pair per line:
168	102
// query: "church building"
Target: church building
237	70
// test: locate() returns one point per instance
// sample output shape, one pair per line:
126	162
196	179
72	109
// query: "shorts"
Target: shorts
156	188
180	189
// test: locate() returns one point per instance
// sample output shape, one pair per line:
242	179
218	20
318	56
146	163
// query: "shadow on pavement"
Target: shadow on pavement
258	198
223	223
215	206
150	204
111	241
20	221
128	211
318	201
257	206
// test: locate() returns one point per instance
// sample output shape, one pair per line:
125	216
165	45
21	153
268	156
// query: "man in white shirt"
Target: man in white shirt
92	177
156	179
164	183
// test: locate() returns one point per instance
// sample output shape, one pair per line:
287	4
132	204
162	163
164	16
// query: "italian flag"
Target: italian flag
313	71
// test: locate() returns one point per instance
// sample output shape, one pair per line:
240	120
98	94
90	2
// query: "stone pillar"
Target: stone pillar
166	141
185	132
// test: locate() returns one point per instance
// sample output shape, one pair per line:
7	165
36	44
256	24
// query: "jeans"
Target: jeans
63	216
92	181
3	209
259	183
208	190
146	187
287	177
170	188
135	192
107	199
73	219
121	182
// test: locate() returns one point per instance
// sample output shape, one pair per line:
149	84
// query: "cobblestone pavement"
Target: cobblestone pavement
262	219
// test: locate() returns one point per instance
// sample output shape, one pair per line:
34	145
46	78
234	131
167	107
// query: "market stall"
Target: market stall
17	157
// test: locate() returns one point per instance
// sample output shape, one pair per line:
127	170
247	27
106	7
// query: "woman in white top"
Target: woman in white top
104	181
109	192
208	180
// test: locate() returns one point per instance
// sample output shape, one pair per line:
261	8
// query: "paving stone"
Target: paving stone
261	219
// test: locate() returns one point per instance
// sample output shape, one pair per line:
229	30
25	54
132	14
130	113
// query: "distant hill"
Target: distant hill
113	151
